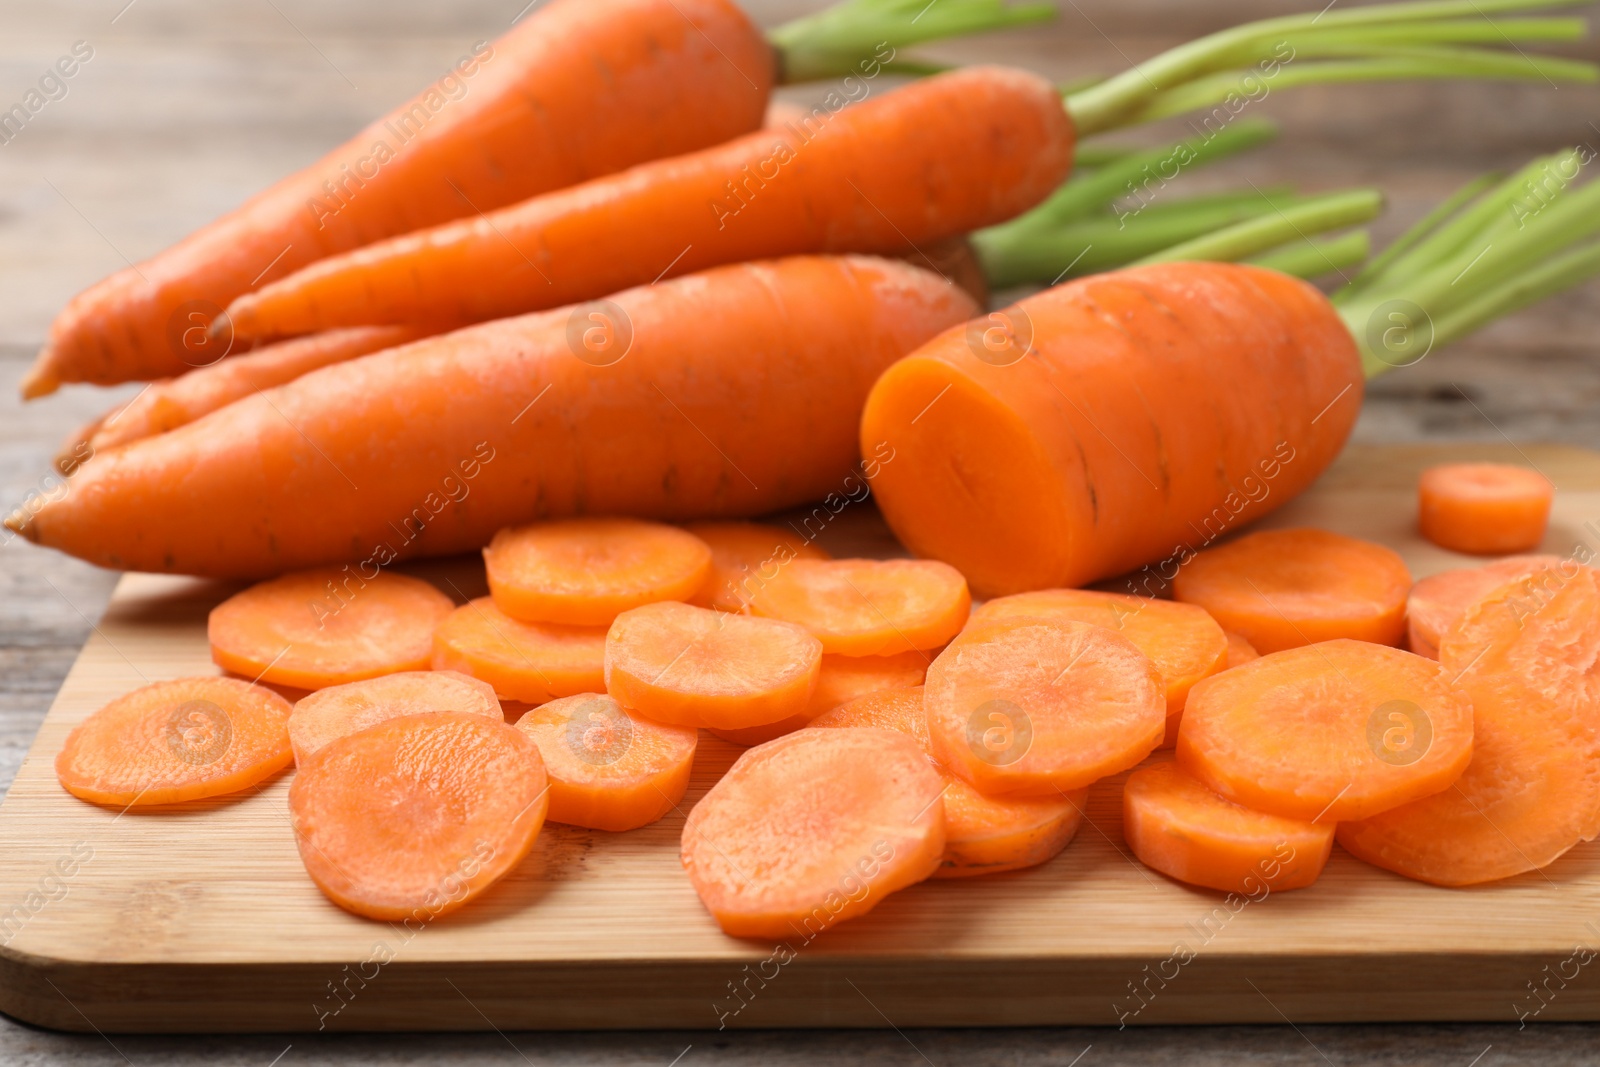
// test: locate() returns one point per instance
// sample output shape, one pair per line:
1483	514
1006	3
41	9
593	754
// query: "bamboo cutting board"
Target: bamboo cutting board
200	917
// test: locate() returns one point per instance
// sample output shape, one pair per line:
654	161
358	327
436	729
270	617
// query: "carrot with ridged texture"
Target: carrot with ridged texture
339	710
1437	603
1484	509
531	662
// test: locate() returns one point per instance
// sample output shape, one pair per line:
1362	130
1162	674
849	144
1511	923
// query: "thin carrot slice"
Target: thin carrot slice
326	627
1024	706
1286	588
532	662
609	769
1332	731
869	607
982	834
1240	651
1484	509
1532	790
1177	826
339	710
689	666
840	679
585	572
1440	601
813	829
1183	641
744	557
174	741
413	817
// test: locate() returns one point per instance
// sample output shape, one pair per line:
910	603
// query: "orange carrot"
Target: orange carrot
325	627
1532	790
689	666
340	710
413	817
744	556
586	572
430	448
840	679
1241	651
1024	706
1286	588
1484	509
609	769
1177	826
174	741
530	662
813	829
869	607
1327	732
1440	601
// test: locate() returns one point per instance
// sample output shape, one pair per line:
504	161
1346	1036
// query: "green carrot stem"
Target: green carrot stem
1260	234
1408	240
1312	259
1547	279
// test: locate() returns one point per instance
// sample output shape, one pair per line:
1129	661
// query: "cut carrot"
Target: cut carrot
1240	651
609	769
1177	826
413	817
332	713
1328	732
532	662
1439	601
1484	509
869	607
1183	641
174	741
586	572
744	557
1532	790
1024	706
813	829
982	834
1286	588
840	679
689	666
326	627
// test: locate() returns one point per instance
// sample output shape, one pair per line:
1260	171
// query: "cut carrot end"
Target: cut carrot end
531	662
1484	509
1437	603
869	607
341	710
41	378
744	557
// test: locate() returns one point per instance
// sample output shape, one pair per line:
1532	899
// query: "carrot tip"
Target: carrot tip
17	522
41	379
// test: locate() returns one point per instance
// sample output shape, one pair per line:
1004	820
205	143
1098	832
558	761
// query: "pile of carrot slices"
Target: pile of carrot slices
892	732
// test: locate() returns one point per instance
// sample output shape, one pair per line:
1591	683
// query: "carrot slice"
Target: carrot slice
413	817
527	661
1177	826
1240	651
744	557
813	829
1286	588
840	679
326	627
689	666
869	607
609	770
339	710
982	834
1484	509
174	741
1532	790
585	572
1024	706
1438	602
1183	641
1332	731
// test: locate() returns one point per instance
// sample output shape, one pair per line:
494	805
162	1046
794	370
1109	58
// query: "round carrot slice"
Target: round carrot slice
840	679
1332	731
174	741
1532	790
609	770
744	557
1484	509
413	817
585	572
812	829
532	662
326	627
1024	706
1439	601
331	713
1286	588
1177	826
689	666
1240	651
869	607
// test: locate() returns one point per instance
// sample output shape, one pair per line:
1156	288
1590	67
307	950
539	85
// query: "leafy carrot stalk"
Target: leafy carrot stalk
575	90
944	156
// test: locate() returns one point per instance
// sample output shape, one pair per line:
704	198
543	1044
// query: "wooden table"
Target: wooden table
186	108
